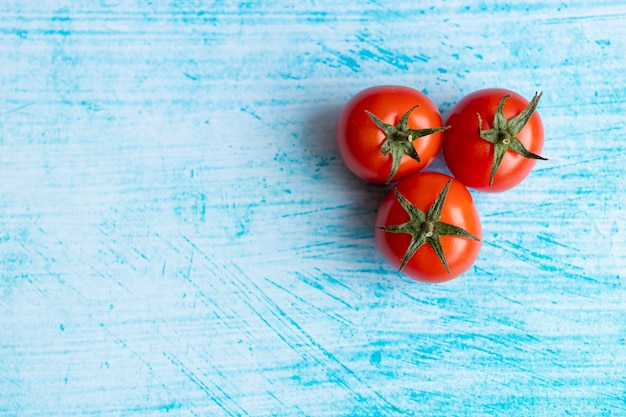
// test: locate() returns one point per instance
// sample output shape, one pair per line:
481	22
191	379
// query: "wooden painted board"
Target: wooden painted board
178	235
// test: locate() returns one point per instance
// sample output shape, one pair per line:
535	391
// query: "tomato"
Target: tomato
494	139
385	133
428	227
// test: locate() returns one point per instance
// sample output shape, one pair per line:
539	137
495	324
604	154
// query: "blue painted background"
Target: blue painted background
179	237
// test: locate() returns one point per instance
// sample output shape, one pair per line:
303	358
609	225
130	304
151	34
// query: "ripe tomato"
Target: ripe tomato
494	139
428	227
385	133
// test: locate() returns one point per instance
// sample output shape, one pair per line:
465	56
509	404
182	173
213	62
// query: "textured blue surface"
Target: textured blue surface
179	237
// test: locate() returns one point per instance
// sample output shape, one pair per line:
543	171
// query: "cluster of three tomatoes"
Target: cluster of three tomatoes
428	226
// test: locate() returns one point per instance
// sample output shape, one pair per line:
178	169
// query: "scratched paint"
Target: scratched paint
179	237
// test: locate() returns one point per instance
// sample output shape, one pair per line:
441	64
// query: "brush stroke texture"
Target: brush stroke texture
179	237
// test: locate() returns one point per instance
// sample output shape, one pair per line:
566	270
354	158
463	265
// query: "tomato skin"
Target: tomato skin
469	157
458	209
359	140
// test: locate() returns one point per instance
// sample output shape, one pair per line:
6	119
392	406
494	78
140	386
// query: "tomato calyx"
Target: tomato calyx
503	134
399	139
426	228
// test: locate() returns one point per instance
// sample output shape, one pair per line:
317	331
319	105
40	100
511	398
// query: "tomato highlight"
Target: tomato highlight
494	139
428	227
385	133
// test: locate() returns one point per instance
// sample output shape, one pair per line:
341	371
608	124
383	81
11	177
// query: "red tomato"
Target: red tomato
494	139
428	227
382	136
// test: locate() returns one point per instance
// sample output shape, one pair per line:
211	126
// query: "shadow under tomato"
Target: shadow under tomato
351	202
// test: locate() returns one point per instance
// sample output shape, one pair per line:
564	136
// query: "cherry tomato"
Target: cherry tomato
494	139
428	227
385	133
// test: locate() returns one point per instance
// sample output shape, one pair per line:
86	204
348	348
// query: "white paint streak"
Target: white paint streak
178	235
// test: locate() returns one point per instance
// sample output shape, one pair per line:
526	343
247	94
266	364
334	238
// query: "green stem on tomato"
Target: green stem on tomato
503	134
426	228
399	139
